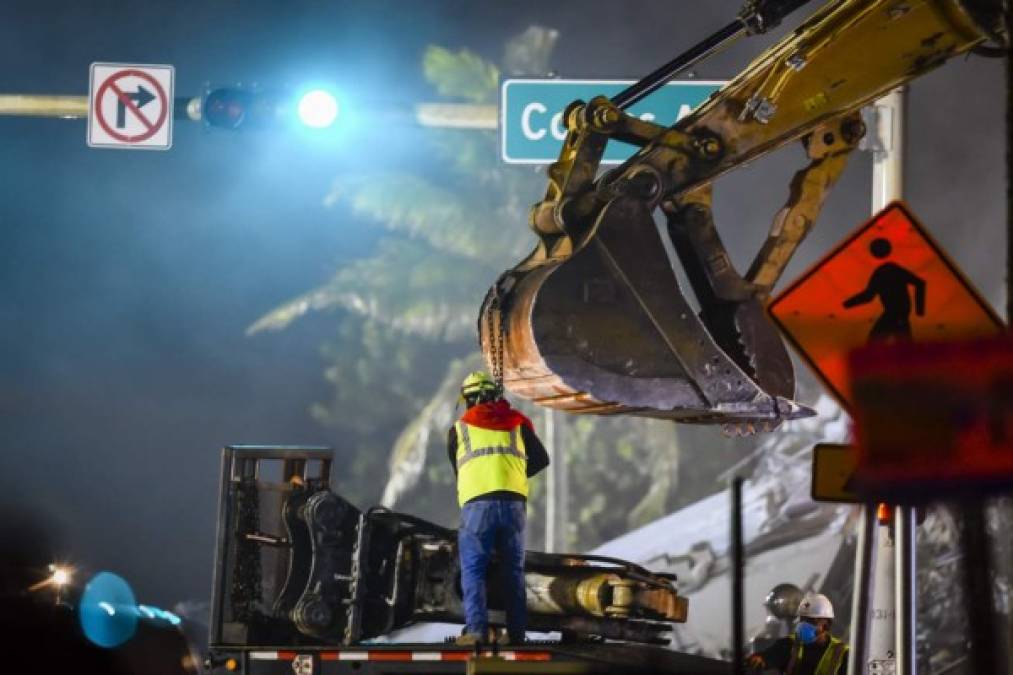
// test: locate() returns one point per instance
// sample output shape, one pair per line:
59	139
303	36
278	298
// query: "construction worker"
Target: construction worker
493	450
810	649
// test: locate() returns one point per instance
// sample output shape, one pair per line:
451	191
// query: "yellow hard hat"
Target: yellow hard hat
476	383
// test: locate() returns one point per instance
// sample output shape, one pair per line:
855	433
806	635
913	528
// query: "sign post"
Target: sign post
887	282
130	106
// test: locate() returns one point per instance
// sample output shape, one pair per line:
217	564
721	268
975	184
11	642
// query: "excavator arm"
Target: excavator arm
594	319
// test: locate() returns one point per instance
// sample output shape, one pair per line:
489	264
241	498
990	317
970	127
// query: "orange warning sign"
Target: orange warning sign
887	282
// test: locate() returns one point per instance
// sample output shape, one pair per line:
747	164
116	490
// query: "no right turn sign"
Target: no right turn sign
130	106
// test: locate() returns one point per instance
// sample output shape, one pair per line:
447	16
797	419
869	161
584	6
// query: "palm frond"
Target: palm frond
528	53
450	221
463	74
406	286
427	429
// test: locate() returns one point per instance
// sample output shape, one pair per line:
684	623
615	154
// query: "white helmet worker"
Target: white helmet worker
815	606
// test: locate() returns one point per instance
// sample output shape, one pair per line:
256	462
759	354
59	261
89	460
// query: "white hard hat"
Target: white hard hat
815	606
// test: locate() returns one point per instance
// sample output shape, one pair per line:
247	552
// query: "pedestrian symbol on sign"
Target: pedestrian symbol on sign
890	284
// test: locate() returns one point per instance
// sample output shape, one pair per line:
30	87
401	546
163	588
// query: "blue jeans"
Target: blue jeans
487	526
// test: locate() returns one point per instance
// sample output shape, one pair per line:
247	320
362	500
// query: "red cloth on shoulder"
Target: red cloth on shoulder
495	415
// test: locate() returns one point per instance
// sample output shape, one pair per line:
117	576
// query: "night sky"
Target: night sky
128	277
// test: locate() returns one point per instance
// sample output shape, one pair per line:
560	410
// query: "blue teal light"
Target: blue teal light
156	614
108	610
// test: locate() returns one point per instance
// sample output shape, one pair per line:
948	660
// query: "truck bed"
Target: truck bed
393	659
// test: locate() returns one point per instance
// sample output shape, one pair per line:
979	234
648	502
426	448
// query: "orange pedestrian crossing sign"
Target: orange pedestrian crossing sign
887	282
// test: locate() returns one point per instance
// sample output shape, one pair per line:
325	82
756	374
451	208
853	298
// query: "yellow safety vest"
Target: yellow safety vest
489	460
829	663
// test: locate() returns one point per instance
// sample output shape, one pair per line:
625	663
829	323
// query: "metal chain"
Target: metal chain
496	333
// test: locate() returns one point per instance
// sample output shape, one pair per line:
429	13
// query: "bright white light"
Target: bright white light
108	608
318	109
61	576
146	611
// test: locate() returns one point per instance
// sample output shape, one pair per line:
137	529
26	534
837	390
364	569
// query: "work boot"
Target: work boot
468	640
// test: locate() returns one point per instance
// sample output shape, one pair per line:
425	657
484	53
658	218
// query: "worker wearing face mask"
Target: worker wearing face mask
810	649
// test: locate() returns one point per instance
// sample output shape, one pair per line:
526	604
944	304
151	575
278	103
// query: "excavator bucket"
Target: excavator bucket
607	330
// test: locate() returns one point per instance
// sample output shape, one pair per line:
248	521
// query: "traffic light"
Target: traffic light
241	108
235	108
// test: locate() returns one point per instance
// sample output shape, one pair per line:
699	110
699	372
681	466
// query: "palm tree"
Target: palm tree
406	324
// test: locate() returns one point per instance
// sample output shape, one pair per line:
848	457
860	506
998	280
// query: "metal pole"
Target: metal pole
549	440
657	79
905	528
562	486
76	107
886	141
457	116
440	115
1009	205
29	105
557	486
888	185
738	565
882	644
1008	506
1004	551
978	588
756	17
861	597
888	149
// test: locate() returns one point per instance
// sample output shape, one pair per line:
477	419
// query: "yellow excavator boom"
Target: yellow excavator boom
594	320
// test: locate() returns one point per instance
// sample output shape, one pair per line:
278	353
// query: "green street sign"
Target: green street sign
531	113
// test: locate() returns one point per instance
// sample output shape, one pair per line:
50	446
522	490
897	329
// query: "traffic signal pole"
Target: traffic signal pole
31	105
76	107
437	115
